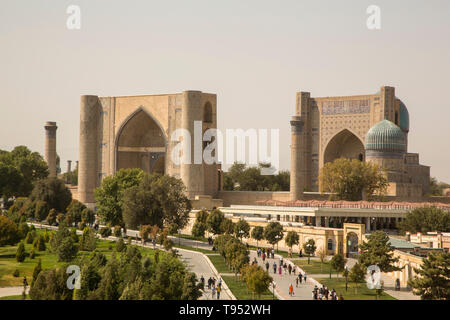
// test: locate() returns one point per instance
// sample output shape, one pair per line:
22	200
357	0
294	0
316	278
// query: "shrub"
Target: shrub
32	254
31	235
120	246
88	240
105	232
20	253
16	273
74	235
67	250
23	230
9	234
117	231
41	211
51	218
41	243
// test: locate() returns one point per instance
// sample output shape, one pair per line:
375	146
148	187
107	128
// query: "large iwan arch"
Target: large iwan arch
141	143
344	144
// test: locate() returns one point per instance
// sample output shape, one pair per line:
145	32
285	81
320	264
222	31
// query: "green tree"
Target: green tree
427	219
377	250
338	263
310	248
11	180
20	253
71	177
357	275
291	239
120	245
88	240
200	226
258	234
51	218
54	192
273	233
51	285
227	226
9	234
242	229
36	270
31	165
214	221
256	279
89	282
157	200
87	216
436	188
349	179
191	289
74	211
433	277
67	250
109	197
41	210
40	245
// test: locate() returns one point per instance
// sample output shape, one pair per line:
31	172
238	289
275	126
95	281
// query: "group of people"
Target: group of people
215	289
323	293
265	253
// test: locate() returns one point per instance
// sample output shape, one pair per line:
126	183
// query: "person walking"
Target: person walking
274	267
279	270
213	292
218	289
291	290
202	281
296	282
267	266
290	269
300	277
285	267
304	277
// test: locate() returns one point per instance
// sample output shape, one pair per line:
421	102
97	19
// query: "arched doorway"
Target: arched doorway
141	144
352	244
344	145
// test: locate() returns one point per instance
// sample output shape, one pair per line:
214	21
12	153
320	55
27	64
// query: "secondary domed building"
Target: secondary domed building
386	145
372	127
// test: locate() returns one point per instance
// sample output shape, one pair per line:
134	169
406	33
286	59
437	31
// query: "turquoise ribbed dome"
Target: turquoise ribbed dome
404	117
385	136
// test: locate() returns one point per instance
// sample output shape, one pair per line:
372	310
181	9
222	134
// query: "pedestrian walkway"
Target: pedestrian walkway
282	282
12	291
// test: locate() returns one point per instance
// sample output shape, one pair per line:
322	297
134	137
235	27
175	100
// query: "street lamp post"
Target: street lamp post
278	237
346	278
309	251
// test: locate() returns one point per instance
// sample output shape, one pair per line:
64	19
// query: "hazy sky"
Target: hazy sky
255	55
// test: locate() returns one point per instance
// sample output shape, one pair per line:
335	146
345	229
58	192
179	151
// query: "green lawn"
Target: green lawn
363	292
219	262
181	246
18	297
315	267
240	291
49	260
190	237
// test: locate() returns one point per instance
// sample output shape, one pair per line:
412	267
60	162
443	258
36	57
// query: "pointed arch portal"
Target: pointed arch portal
345	144
141	144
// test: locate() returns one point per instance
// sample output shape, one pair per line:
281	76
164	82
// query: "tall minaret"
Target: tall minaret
299	143
50	147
